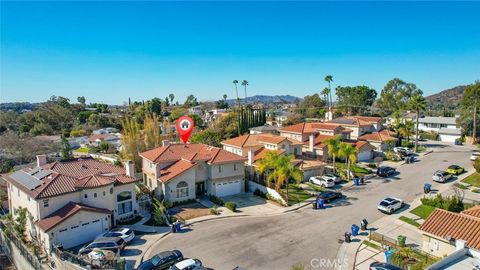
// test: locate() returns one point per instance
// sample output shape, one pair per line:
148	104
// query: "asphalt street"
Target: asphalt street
278	242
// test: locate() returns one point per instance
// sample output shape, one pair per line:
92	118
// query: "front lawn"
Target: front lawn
423	211
316	187
354	168
409	221
83	150
295	194
473	179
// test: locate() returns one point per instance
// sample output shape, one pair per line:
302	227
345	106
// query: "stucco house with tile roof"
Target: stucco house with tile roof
242	144
179	172
382	140
359	124
71	202
443	229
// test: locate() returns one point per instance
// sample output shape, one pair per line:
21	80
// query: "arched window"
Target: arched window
123	196
182	189
124	202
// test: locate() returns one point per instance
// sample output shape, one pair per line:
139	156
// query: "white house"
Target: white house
70	202
179	172
446	127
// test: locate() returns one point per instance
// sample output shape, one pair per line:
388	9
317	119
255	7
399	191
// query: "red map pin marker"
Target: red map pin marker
185	127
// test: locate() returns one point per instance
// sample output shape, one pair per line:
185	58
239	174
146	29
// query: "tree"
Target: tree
244	84
407	129
171	97
325	92
311	107
355	100
396	95
81	100
158	212
191	101
65	149
151	132
349	153
417	103
209	137
225	97
235	82
470	103
177	113
20	223
329	80
132	142
333	145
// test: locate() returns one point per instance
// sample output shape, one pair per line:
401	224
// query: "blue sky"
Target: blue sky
110	51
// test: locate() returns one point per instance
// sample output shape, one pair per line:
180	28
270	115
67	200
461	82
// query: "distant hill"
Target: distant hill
449	97
267	99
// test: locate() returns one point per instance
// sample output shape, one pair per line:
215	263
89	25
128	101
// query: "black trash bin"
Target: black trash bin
174	229
348	237
314	204
364	224
362	180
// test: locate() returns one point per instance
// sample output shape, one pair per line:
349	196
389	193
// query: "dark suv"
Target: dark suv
162	260
385	171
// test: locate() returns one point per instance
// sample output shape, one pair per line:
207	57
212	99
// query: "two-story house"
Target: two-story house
382	140
254	142
70	202
359	125
179	172
446	127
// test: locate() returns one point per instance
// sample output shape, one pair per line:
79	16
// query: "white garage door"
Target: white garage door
448	138
228	188
364	155
80	234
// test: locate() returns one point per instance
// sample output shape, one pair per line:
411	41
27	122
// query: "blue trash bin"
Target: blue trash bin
355	181
321	203
427	188
178	226
388	253
355	230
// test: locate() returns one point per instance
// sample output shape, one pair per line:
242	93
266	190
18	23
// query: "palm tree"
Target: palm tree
418	104
244	84
333	145
171	97
349	153
409	129
325	93
329	79
225	97
235	82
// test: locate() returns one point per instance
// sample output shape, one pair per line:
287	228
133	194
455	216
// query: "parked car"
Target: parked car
385	171
105	243
188	264
390	205
322	181
441	176
474	156
403	151
335	177
455	170
162	260
383	266
328	196
125	233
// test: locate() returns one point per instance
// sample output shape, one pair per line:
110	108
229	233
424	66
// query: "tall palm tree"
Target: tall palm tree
171	97
225	97
333	145
235	82
325	93
418	104
329	79
349	153
244	84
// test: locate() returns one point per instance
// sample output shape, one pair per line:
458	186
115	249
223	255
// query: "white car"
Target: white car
403	150
474	156
441	176
187	264
334	177
322	181
125	233
390	205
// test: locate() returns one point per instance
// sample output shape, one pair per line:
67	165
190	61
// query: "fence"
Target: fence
15	248
83	261
385	241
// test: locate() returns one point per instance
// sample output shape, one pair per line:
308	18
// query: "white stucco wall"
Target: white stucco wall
170	187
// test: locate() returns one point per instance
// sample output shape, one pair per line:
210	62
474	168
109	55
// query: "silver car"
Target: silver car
441	176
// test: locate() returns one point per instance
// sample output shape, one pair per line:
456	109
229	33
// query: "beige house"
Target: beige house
70	202
444	230
254	142
359	125
179	172
382	140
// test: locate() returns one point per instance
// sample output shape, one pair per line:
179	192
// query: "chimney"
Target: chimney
41	160
250	157
165	142
130	168
310	143
460	244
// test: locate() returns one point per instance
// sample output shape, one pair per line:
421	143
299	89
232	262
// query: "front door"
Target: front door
200	188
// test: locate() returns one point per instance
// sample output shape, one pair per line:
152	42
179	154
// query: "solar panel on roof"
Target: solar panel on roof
35	170
26	180
42	174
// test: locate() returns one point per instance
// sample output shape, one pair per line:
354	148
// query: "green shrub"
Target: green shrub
231	206
258	193
372	165
168	204
476	165
476	190
189	201
214	211
451	203
216	200
391	155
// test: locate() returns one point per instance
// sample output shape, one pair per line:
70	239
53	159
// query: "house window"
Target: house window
85	224
86	196
18	192
64	230
124	202
234	166
104	193
73	227
45	203
182	189
95	195
219	168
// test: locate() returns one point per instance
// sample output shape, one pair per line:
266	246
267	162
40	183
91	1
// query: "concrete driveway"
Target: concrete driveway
306	236
249	204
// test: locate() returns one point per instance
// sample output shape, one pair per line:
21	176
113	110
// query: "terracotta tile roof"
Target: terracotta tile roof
363	144
318	141
387	132
445	224
191	152
62	214
256	140
473	211
241	141
377	137
73	175
310	127
175	170
262	152
356	120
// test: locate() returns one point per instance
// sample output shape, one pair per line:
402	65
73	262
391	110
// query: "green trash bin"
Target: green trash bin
401	240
